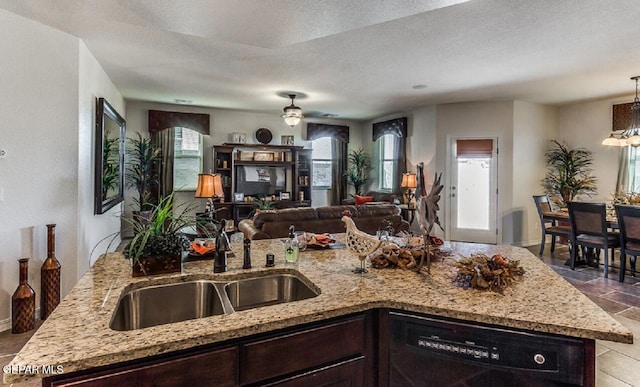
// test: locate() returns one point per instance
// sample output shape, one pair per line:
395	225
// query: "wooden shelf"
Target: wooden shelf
275	163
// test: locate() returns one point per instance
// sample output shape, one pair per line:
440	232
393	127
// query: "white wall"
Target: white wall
44	130
586	125
533	126
92	229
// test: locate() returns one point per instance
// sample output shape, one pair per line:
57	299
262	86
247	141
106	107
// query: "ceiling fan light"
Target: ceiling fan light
292	113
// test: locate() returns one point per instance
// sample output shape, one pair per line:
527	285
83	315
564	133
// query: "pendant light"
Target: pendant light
630	136
292	113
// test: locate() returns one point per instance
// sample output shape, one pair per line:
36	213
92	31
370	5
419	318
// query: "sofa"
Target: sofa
275	223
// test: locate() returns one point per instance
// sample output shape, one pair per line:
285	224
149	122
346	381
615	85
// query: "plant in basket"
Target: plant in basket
158	242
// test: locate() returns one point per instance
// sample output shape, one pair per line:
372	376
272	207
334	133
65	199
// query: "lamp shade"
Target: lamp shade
209	185
409	180
612	141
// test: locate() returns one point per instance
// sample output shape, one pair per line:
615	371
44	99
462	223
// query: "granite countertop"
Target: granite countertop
77	335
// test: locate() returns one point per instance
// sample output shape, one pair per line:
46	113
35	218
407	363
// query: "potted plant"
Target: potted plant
568	173
158	242
142	172
358	172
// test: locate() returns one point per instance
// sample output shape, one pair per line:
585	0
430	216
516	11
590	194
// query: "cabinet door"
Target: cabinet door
345	374
303	350
215	368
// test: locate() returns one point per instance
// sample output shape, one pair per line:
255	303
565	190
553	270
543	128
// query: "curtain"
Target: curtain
165	140
399	164
339	183
398	128
339	135
626	170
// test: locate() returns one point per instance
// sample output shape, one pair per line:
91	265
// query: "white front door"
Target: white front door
473	191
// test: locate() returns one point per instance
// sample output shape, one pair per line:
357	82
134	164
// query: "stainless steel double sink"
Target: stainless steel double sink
169	303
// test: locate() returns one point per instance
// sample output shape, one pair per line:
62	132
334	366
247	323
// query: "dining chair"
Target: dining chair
629	223
547	226
589	229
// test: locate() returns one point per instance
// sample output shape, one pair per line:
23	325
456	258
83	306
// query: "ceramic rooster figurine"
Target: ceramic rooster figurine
427	211
360	243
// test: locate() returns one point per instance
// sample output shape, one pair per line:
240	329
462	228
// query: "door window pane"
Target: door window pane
473	188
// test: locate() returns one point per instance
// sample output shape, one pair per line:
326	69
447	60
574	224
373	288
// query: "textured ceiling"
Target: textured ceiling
357	59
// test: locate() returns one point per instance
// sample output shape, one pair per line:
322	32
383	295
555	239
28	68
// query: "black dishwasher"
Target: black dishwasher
428	351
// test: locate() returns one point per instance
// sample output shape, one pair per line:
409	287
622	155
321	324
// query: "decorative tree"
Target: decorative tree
141	172
360	167
568	173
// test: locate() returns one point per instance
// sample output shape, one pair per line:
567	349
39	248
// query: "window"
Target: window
387	160
187	159
634	170
322	163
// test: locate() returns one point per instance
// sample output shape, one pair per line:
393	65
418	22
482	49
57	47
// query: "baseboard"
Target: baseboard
5	324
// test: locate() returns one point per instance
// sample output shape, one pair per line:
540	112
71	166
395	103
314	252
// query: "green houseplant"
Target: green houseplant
158	242
110	169
358	172
568	173
141	171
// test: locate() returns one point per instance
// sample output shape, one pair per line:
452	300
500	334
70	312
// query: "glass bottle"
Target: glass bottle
50	276
291	247
23	302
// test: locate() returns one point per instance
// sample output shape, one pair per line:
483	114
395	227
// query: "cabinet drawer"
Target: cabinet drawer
305	349
349	373
216	368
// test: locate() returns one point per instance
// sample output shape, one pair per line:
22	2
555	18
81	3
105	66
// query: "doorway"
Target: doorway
473	190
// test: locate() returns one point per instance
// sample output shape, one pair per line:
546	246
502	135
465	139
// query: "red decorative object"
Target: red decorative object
360	200
23	302
50	276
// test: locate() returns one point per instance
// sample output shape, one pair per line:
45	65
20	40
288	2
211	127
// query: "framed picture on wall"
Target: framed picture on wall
238	138
238	197
286	140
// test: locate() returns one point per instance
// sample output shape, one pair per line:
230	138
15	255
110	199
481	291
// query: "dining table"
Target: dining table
589	256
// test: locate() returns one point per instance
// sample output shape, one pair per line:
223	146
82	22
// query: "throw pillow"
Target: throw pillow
362	199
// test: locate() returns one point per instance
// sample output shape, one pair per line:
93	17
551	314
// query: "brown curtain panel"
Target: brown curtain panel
339	183
165	140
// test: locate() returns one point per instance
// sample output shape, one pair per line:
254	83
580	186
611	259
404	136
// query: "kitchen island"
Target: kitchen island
77	336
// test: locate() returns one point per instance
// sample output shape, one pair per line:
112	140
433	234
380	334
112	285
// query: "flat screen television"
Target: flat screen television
258	180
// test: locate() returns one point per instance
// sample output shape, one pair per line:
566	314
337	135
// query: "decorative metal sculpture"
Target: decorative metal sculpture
427	212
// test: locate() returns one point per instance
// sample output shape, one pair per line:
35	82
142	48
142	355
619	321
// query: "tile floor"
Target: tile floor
618	365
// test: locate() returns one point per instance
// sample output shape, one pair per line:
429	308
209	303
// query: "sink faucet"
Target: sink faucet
222	246
247	254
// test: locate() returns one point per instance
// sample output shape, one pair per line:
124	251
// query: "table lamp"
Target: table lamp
210	187
409	182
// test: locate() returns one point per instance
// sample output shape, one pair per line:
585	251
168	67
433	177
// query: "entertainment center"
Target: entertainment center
278	174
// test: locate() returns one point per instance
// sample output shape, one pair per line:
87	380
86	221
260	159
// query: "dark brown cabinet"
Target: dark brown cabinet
303	173
337	352
217	367
231	160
